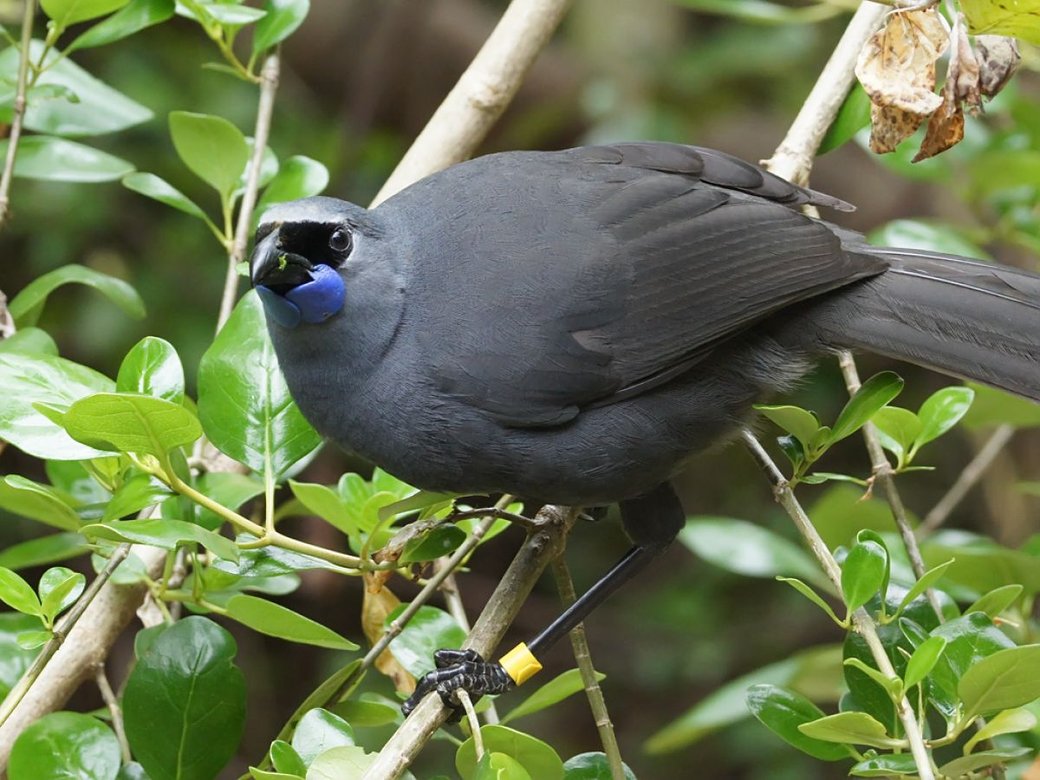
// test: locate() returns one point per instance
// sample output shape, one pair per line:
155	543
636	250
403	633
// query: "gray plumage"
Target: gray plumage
572	326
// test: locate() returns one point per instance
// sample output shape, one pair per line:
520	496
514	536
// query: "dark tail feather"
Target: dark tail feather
961	317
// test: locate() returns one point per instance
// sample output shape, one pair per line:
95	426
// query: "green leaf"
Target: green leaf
27	306
368	710
275	620
890	685
341	763
43	551
783	712
81	105
556	690
897	429
230	13
212	148
857	728
898	764
942	410
18	594
1020	19
960	767
261	774
30	640
1008	678
286	760
863	573
591	766
761	11
923	660
815	672
499	766
43	379
160	532
995	407
1006	722
65	745
41	503
59	589
318	731
874	394
537	758
748	549
244	403
433	544
29	379
334	688
794	420
14	660
997	600
326	503
970	638
130	19
29	341
135	494
152	367
125	422
69	12
184	703
428	631
928	579
812	595
852	117
47	158
281	20
230	490
298	177
926	235
151	186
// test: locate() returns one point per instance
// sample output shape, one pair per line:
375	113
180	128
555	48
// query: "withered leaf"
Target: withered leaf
998	60
945	129
897	70
378	602
962	74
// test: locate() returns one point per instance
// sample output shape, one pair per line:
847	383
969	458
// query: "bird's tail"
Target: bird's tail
970	319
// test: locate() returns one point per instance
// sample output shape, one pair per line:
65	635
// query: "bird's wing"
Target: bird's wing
599	273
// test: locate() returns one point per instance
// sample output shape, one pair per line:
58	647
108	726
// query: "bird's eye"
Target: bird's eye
340	240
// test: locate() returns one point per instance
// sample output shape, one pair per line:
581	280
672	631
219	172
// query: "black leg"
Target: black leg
652	521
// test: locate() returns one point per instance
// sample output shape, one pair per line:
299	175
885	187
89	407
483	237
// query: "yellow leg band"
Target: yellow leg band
520	664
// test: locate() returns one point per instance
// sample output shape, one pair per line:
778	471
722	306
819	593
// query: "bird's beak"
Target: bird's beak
274	268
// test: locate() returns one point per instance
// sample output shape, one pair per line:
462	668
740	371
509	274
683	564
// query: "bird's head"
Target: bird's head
301	249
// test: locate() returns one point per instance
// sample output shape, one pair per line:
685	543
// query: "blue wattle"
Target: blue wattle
319	299
285	313
312	302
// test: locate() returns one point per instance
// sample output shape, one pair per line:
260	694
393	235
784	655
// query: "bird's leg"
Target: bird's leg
651	520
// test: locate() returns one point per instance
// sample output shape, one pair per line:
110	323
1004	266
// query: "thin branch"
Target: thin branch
265	110
882	471
583	657
114	710
967	479
540	548
861	620
18	117
481	94
793	158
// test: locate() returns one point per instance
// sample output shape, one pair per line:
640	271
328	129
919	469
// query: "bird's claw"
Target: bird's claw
459	670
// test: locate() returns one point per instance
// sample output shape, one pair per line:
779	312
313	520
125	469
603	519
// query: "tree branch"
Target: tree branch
793	158
539	549
481	94
18	118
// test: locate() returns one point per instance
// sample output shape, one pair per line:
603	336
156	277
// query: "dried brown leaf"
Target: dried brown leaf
378	602
998	59
962	74
945	129
897	70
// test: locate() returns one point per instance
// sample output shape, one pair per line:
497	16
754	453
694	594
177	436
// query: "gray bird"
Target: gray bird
572	326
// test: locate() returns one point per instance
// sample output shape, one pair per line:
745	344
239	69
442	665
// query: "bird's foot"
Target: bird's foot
459	670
